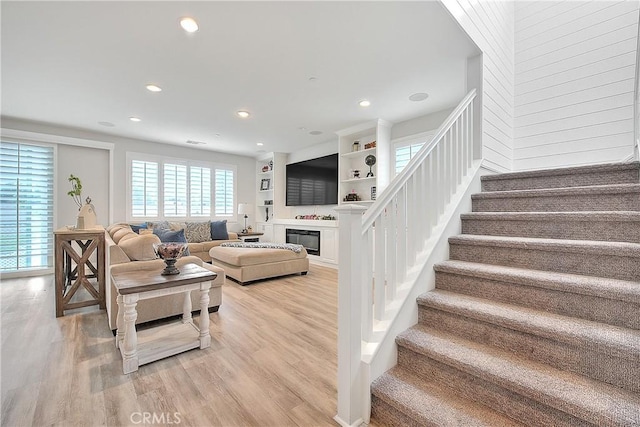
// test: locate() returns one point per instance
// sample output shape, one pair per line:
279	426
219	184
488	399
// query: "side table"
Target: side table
250	236
168	339
74	268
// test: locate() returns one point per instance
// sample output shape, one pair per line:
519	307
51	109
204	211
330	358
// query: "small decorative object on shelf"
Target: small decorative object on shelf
370	160
268	202
170	252
266	214
355	173
351	197
270	164
249	229
356	146
317	217
265	168
373	193
372	144
264	184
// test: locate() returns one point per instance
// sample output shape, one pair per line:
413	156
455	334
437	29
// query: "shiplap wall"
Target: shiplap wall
574	79
490	24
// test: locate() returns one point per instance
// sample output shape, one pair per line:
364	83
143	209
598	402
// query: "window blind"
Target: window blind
200	191
175	190
144	189
223	192
26	206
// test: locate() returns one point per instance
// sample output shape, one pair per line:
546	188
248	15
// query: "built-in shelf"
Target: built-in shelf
365	179
266	173
357	202
265	191
359	153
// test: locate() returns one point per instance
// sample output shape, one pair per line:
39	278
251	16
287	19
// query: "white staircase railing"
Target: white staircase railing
378	249
636	98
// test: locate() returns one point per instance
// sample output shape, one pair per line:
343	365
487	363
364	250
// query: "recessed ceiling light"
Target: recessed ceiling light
364	103
315	132
153	88
217	135
243	114
313	79
420	96
107	124
135	119
259	144
189	24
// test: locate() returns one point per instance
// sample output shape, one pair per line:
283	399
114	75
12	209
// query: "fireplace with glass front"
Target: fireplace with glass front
308	238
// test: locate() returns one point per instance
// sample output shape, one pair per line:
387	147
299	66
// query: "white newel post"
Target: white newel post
351	389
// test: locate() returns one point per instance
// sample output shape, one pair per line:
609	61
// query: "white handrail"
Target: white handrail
378	249
415	162
636	98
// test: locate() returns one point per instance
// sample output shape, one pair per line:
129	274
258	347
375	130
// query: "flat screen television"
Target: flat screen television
313	182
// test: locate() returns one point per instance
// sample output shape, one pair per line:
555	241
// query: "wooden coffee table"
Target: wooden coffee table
164	340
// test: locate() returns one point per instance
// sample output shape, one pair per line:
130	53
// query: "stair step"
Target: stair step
616	260
523	389
620	197
610	301
424	403
604	352
616	173
621	226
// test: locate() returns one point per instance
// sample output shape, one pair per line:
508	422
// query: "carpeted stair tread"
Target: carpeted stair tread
613	289
607	339
429	403
593	190
595	247
593	401
603	173
583	216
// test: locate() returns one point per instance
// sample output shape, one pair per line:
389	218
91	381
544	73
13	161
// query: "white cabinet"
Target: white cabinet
359	182
267	229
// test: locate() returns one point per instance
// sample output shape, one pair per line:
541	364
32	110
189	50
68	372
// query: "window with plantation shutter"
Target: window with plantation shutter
224	200
408	148
144	189
175	190
200	191
179	188
26	206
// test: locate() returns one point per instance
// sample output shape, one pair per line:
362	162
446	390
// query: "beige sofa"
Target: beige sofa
129	251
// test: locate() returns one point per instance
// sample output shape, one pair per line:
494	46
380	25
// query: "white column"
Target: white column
350	385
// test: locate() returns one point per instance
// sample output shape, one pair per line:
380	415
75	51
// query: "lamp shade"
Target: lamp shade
244	208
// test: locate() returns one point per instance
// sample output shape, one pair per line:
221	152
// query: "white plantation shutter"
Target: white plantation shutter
175	190
224	192
26	206
200	191
144	189
404	154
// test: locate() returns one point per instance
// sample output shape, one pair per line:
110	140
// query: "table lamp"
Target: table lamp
244	209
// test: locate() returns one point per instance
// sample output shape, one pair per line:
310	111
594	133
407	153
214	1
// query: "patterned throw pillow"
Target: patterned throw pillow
159	225
197	232
219	230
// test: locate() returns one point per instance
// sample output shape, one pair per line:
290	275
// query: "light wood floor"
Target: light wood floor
272	361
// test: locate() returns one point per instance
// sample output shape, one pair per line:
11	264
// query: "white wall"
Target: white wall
84	160
574	79
490	24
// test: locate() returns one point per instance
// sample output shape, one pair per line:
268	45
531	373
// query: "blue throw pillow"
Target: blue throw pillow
137	228
219	230
166	235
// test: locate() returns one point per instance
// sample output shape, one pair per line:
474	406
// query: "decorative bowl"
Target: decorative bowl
170	252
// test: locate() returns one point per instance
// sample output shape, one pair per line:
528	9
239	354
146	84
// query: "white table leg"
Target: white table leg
119	321
130	342
186	308
205	336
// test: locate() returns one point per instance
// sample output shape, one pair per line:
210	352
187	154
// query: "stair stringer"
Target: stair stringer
381	353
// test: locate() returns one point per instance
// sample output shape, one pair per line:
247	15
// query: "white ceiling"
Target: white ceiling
79	63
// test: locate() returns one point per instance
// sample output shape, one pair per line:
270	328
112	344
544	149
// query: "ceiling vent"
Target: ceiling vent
196	142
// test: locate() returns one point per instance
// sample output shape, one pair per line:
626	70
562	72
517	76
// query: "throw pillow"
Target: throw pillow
160	225
219	230
167	236
140	247
197	232
137	228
